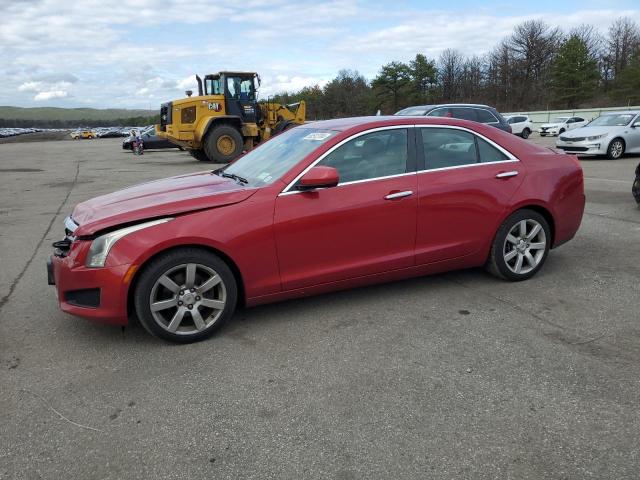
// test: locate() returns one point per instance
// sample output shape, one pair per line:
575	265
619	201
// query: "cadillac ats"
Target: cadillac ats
321	207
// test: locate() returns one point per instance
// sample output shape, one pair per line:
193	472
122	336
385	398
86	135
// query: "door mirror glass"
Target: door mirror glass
319	177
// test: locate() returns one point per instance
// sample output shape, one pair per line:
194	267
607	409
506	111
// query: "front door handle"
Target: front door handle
396	195
507	174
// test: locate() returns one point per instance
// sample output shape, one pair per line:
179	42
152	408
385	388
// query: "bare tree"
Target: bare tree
534	45
623	39
450	66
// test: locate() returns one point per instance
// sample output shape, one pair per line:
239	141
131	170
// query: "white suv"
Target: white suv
520	125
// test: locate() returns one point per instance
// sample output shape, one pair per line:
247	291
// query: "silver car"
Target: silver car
611	134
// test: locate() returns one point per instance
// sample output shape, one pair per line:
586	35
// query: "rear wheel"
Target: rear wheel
520	246
615	150
223	144
525	133
185	295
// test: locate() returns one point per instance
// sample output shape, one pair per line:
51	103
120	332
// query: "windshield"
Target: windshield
612	120
412	111
560	119
268	162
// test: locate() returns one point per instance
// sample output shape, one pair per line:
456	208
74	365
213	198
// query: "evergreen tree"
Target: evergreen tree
574	74
391	85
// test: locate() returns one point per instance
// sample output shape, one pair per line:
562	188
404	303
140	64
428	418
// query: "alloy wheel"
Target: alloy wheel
525	246
616	149
188	299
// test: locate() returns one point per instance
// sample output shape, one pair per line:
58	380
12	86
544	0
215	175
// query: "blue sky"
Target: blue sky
139	53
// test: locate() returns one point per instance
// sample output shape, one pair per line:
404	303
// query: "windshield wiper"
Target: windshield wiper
235	177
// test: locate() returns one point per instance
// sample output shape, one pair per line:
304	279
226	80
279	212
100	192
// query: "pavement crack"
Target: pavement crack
16	280
62	417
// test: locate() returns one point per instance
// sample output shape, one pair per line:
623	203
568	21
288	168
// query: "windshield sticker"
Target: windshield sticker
316	136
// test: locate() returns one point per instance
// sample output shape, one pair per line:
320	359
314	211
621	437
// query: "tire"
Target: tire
616	148
525	133
199	155
635	189
165	280
515	267
220	137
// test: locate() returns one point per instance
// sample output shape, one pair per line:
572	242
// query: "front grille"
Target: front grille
576	139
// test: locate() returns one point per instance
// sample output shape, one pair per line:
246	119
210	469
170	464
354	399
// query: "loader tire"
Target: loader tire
223	144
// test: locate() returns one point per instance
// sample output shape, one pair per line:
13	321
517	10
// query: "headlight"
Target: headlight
596	137
101	246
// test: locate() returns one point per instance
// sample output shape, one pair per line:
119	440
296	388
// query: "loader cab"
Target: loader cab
240	93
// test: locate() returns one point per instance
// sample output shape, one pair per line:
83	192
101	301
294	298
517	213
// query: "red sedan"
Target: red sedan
321	207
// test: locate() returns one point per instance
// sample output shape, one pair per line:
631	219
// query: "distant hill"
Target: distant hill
69	117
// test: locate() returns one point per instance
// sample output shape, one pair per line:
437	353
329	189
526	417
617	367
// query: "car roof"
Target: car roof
450	105
342	124
624	112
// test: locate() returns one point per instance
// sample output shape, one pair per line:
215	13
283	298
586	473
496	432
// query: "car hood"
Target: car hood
551	125
159	198
589	131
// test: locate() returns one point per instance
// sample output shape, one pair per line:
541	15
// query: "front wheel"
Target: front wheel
223	144
615	150
520	246
185	295
525	133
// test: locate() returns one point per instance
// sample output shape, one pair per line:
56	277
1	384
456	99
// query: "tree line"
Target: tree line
58	123
537	67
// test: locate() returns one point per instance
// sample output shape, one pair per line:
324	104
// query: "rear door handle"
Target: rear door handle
396	195
513	173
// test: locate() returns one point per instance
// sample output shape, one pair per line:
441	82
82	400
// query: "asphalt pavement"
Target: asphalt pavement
452	376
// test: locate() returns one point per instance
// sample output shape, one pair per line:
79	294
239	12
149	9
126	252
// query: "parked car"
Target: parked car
464	111
611	134
110	133
330	205
561	125
78	134
150	140
520	125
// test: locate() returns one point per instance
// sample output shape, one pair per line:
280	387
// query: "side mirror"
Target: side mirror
319	177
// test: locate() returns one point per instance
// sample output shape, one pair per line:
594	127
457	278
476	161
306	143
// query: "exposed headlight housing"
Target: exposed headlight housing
100	247
595	137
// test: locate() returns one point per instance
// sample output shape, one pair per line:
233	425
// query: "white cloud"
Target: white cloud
42	96
139	53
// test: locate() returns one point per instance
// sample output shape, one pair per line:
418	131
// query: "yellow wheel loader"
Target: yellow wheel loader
225	118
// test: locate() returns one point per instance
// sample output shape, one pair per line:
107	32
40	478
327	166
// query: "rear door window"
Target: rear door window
485	116
448	147
464	113
489	153
440	112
